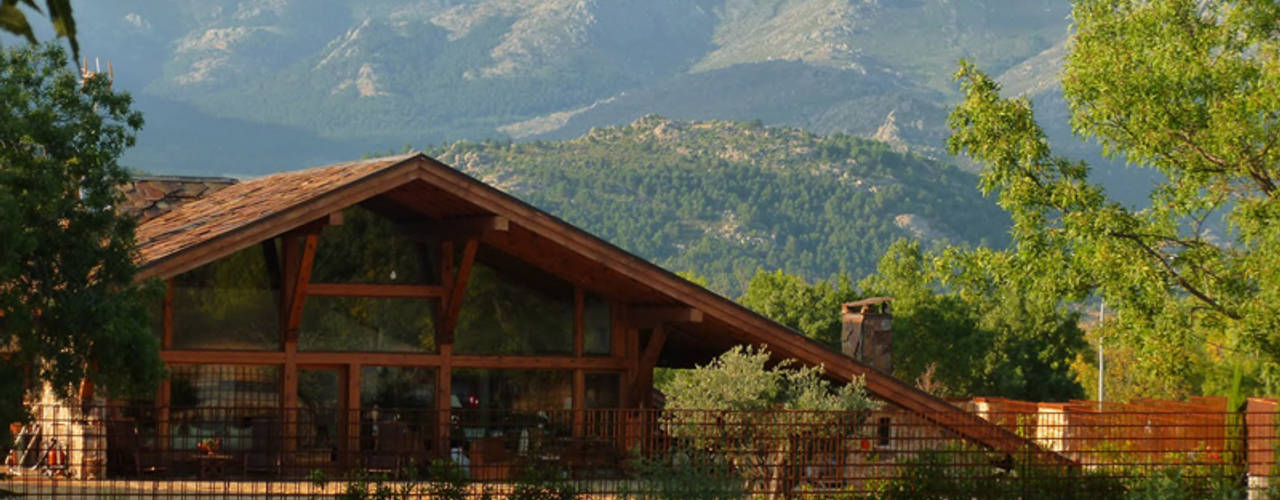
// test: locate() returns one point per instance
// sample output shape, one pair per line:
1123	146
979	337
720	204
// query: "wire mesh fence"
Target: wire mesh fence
310	452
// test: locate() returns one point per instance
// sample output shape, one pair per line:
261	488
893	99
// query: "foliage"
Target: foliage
1184	87
684	474
69	305
544	483
730	407
448	480
977	319
725	199
813	310
14	21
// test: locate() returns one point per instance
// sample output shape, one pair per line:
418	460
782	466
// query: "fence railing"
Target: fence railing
261	452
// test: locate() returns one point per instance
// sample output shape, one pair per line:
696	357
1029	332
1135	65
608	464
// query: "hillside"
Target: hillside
332	79
723	199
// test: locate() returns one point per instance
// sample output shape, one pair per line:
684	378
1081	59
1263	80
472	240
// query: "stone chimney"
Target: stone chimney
867	332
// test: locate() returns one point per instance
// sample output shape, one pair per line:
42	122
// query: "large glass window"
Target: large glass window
231	404
504	413
227	304
366	248
597	325
398	410
368	324
513	308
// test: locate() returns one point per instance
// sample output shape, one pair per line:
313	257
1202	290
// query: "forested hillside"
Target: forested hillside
723	199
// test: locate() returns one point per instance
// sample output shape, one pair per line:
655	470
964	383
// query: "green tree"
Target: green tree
1190	88
976	320
813	310
69	306
725	406
14	21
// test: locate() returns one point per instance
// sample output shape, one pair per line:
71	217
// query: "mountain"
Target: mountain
723	199
334	79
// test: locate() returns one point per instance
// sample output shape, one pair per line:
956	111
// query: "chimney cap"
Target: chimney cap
859	304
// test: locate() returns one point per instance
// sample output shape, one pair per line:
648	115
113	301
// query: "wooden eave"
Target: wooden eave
546	241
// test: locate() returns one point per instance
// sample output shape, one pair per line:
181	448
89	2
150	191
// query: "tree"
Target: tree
973	319
14	21
69	306
731	407
1190	88
813	310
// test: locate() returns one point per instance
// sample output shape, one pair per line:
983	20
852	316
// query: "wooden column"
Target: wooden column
299	256
444	372
579	402
352	414
444	391
163	394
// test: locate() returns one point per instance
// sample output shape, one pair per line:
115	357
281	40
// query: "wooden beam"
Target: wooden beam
444	396
579	403
475	361
374	290
351	414
654	316
455	228
302	279
457	290
335	218
642	385
579	317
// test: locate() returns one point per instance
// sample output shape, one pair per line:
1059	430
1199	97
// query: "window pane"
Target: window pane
367	249
602	391
226	304
510	412
368	324
513	308
518	390
223	402
397	412
596	325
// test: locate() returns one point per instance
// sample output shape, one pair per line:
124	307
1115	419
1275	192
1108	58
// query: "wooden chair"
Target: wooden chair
264	453
391	449
125	452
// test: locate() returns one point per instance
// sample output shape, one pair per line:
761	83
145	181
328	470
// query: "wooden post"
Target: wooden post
579	402
353	414
163	400
579	317
444	391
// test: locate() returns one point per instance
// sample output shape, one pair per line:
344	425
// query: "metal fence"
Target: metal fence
257	452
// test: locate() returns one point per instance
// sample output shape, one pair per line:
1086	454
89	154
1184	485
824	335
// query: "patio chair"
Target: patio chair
264	453
125	452
391	449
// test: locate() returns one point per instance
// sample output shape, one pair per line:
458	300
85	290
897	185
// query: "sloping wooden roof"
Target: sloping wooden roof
254	210
149	196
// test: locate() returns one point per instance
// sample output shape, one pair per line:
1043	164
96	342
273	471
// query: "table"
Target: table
212	465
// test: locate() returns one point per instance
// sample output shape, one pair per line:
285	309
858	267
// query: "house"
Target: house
395	306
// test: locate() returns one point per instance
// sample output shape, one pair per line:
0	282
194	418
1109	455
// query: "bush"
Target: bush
685	475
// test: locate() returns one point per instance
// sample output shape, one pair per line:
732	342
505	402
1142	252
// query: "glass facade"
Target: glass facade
597	323
367	249
227	304
368	324
222	402
513	308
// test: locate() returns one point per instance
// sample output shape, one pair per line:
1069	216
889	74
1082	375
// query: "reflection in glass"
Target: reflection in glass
602	391
367	249
397	412
318	415
222	402
596	325
513	308
226	304
501	414
368	324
